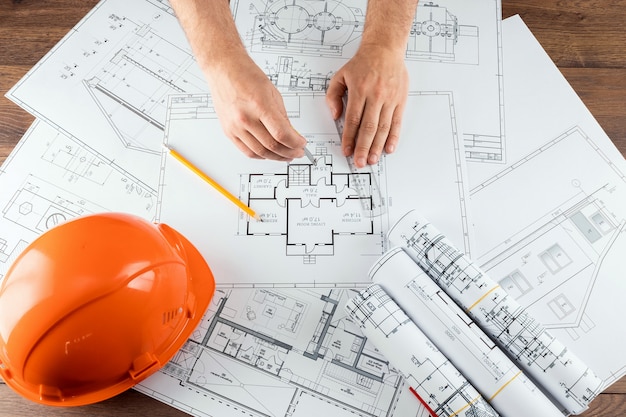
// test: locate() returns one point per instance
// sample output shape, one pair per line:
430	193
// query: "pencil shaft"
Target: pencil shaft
214	184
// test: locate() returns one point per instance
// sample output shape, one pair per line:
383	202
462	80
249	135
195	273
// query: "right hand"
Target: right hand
252	112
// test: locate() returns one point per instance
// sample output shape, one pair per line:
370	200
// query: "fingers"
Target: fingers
334	96
377	86
370	129
278	142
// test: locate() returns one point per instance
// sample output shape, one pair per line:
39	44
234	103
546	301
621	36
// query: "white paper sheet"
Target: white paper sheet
432	377
550	223
535	350
50	178
314	229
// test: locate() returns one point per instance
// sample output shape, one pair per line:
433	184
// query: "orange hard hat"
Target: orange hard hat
97	304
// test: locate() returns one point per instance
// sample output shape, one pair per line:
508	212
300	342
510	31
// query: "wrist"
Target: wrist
381	49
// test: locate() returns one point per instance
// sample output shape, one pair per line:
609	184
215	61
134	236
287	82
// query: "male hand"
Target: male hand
377	81
252	112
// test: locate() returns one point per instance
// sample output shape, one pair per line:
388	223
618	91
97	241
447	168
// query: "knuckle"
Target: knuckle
273	146
393	136
241	119
361	148
384	127
369	127
354	120
280	136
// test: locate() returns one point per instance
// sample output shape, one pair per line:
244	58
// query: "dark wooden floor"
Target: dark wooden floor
585	38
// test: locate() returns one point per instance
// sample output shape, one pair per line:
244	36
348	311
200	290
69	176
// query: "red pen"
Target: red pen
430	410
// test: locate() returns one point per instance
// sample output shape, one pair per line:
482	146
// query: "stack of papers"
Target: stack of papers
497	151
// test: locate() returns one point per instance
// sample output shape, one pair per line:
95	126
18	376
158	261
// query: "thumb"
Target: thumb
334	95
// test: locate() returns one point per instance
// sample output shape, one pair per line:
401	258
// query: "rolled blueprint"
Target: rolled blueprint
439	386
471	351
550	363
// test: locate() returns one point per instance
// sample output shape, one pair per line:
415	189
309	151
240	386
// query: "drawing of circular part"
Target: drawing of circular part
292	19
55	219
431	28
309	26
324	21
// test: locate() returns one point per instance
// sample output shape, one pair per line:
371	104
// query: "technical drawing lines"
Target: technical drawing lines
309	27
310	204
288	74
293	343
573	134
545	358
438	384
436	35
132	88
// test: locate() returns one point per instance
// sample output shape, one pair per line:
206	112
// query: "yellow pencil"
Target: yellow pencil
214	184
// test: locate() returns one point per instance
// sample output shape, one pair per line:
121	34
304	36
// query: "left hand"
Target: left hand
377	81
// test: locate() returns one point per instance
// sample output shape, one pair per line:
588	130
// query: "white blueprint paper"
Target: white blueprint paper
432	377
110	78
449	328
453	45
50	178
281	352
314	229
550	223
107	81
535	350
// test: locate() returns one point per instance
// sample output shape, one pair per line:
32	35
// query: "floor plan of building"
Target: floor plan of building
293	344
313	204
321	221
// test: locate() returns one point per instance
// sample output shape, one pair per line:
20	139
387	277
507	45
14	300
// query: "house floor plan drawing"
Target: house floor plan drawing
312	205
316	216
293	344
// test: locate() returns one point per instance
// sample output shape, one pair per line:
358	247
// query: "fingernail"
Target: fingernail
391	148
347	151
373	159
360	162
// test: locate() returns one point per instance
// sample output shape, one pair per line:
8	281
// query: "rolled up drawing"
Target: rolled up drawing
439	386
500	381
544	358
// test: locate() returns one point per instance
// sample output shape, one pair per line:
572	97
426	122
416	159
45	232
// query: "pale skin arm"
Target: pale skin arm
377	81
250	108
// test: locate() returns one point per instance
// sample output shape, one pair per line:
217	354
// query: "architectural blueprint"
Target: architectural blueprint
403	286
50	178
550	225
107	81
313	222
441	388
110	78
454	45
293	345
124	77
551	364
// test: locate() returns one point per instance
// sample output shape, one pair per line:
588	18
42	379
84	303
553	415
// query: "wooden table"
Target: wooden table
585	38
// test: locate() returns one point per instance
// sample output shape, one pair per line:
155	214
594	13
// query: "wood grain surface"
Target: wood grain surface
585	38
